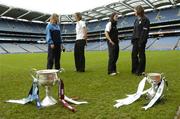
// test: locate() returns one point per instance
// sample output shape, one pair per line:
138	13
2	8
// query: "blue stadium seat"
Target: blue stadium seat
164	43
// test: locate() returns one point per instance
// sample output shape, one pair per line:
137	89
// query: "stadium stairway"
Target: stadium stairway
164	43
12	48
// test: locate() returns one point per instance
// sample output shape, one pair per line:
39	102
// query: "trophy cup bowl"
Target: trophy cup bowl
155	77
47	78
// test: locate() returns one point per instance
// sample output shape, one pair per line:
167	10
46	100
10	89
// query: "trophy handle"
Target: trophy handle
162	75
164	78
56	79
144	74
33	74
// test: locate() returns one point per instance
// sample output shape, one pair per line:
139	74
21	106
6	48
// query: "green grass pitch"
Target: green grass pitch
94	86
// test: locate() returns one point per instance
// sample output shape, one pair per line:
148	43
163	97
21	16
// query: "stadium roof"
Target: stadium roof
123	7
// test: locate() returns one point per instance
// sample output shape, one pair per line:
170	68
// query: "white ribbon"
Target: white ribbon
132	98
33	95
21	101
73	101
156	97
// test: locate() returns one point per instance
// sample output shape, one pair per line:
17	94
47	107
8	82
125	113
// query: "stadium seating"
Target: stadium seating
125	45
4	25
69	46
164	43
178	45
12	48
2	51
163	15
68	28
33	32
30	48
168	15
95	46
42	47
20	26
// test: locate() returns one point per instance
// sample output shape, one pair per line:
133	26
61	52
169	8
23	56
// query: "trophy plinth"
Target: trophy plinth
48	100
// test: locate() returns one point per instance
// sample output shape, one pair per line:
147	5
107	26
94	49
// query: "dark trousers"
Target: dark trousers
54	55
79	55
113	57
138	58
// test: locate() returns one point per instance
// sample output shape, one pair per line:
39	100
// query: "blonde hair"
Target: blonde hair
54	18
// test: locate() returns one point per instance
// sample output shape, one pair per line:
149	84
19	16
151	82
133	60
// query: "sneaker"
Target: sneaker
112	74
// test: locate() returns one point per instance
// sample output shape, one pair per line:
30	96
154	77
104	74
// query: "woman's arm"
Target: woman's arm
85	34
108	37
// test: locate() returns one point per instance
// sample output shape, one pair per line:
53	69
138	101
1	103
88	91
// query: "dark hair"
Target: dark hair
78	15
111	19
140	10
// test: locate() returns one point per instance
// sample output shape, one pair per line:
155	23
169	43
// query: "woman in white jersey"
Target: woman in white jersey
111	33
81	40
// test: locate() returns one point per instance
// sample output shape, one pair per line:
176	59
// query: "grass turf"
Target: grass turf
94	86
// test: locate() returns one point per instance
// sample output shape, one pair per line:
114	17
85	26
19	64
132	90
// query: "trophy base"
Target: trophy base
48	101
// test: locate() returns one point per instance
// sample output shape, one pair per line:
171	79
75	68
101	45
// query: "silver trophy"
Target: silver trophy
154	93
46	78
154	79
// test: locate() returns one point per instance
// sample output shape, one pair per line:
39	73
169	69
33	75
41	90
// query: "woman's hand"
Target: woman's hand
52	46
111	42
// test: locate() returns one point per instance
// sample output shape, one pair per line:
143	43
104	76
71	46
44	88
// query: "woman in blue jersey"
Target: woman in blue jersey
53	38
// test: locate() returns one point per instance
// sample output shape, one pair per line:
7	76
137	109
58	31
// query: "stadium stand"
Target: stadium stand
17	36
69	46
42	47
178	46
96	46
2	50
30	48
125	44
12	48
164	43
